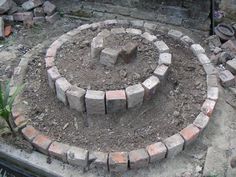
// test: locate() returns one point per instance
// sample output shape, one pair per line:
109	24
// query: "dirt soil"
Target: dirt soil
174	107
75	64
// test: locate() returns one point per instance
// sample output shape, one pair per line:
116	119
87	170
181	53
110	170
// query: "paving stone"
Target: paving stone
149	37
212	80
187	40
156	151
59	150
95	102
98	159
231	66
161	46
39	20
175	34
118	30
150	86
190	134
62	85
2	34
38	12
174	145
22	16
49	8
5	5
135	95
208	107
53	75
133	31
29	133
150	26
201	121
161	71
41	143
165	58
197	49
203	58
210	69
76	98
137	23
29	5
97	45
212	93
115	101
215	163
53	18
118	161
77	156
108	56
230	45
129	52
227	79
138	158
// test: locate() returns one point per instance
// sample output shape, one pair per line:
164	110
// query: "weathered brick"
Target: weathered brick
53	75
208	107
41	143
203	58
95	102
201	121
174	145
76	98
212	81
118	161
197	49
210	69
230	45
187	40
161	71
156	151
138	158
17	110
149	37
150	26
49	62
29	133
53	18
175	34
30	4
227	79
133	31
231	66
58	150
161	46
19	120
77	156
22	16
108	56
49	8
150	86
115	101
97	46
62	85
51	52
118	30
165	58
135	95
98	159
212	93
189	133
129	52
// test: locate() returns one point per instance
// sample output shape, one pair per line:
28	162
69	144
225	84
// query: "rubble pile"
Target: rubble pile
29	12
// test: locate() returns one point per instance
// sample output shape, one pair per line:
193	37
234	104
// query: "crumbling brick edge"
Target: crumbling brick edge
121	161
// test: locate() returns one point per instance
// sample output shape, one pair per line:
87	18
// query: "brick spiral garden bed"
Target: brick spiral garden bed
124	155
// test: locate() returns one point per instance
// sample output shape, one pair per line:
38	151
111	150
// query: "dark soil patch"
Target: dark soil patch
74	62
174	107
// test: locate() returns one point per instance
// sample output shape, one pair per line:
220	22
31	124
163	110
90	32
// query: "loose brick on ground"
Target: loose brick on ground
175	34
156	151
59	150
98	159
189	133
108	56
129	52
201	121
165	58
19	120
41	143
174	145
62	85
135	95
95	102
161	71
29	133
53	75
212	93
150	86
115	101
77	156
97	46
231	66
208	107
227	79
118	161
138	158
161	46
197	49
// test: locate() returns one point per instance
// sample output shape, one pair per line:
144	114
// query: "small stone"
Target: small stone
227	79
49	8
165	58
161	46
176	113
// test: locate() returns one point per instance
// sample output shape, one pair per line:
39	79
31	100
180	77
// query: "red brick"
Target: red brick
29	133
7	30
19	120
190	133
49	62
59	150
138	158
16	111
208	107
41	143
56	44
156	151
118	161
115	101
51	52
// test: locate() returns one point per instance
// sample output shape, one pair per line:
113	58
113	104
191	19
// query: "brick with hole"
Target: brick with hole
150	86
189	133
41	143
115	101
118	161
58	150
156	151
138	158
